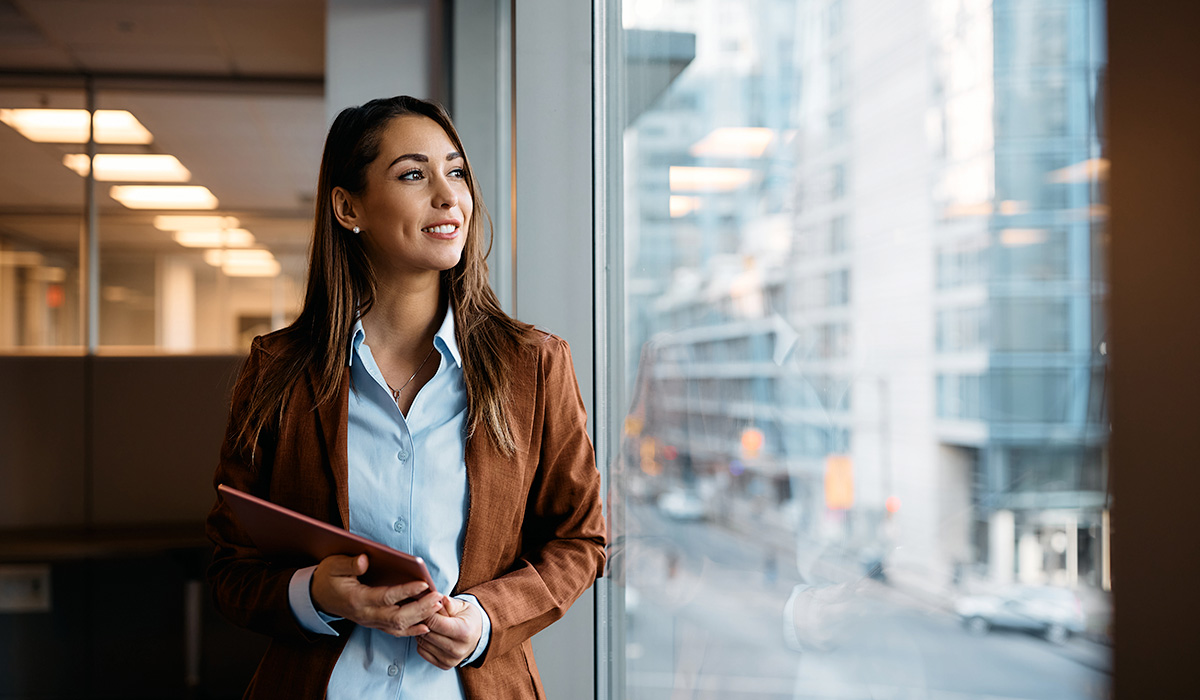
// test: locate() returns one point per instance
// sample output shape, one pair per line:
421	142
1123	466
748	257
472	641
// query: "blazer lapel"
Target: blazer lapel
332	419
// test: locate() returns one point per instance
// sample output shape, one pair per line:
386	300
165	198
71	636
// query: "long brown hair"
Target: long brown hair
341	287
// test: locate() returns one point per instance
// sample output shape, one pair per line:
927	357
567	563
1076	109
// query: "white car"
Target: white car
1055	613
681	505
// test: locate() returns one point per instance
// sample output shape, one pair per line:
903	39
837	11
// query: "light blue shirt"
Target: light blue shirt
408	490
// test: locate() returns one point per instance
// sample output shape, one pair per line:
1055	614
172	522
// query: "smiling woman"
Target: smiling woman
479	462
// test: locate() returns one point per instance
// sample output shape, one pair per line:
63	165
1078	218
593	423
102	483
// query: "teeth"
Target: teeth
444	228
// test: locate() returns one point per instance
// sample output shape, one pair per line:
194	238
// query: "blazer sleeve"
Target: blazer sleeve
248	590
563	531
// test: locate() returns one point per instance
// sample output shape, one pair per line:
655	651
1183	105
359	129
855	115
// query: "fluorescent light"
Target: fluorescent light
219	258
734	141
253	262
226	238
682	205
967	209
1012	207
71	125
163	196
253	268
691	179
195	222
1093	169
1017	237
130	167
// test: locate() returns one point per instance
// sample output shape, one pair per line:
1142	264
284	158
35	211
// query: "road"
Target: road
705	621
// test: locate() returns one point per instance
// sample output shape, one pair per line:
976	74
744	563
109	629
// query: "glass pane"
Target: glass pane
859	370
208	276
41	215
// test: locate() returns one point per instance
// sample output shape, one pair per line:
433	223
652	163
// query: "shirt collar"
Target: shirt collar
443	340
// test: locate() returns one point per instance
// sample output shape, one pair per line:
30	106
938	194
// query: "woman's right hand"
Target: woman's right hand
337	591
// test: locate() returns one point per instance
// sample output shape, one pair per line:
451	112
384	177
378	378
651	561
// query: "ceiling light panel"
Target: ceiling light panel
228	238
253	268
130	167
164	196
734	142
250	256
195	222
692	179
113	126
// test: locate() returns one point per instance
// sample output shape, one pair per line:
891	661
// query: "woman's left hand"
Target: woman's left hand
453	634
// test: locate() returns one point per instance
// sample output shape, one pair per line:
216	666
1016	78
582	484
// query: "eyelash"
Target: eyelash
459	173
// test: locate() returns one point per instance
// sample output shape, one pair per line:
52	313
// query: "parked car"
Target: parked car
681	505
1055	613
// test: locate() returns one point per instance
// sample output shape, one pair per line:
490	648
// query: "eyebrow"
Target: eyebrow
422	158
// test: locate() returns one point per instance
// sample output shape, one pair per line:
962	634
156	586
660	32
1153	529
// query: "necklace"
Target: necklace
396	392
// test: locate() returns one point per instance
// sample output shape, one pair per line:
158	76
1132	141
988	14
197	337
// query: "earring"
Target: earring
357	229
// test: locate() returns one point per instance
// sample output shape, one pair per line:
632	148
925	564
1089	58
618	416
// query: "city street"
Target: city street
705	620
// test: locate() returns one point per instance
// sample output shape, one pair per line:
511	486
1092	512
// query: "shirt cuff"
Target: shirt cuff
300	600
486	634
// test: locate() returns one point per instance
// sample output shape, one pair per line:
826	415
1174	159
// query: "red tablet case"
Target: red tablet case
286	536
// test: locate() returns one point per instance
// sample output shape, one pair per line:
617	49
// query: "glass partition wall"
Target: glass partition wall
41	215
203	208
856	348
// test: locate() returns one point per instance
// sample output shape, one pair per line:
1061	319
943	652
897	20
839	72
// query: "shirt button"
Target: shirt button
393	670
399	525
402	455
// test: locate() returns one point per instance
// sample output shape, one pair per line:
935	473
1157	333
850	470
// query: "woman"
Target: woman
405	406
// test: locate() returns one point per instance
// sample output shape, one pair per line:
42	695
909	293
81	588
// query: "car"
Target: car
1054	613
682	505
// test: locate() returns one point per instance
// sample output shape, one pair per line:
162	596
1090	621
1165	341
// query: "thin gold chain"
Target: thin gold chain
396	392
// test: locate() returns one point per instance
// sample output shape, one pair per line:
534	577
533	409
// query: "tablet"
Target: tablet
285	536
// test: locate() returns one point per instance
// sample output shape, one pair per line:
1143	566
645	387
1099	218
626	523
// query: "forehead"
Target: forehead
414	134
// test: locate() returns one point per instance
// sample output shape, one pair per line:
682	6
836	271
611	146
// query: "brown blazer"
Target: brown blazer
534	538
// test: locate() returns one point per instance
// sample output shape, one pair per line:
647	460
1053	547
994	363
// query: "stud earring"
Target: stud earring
357	229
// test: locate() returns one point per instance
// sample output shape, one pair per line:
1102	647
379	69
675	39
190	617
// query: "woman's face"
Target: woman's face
416	206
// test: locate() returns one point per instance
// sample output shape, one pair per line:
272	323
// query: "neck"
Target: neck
405	316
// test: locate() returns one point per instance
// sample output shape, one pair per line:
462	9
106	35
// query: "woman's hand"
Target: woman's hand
337	591
453	634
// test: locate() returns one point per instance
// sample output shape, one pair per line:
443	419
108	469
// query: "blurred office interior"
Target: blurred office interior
887	367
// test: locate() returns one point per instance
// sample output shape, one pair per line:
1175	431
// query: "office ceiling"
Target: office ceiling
232	88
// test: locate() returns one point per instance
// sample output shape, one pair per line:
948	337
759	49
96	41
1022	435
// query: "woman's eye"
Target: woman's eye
413	174
459	173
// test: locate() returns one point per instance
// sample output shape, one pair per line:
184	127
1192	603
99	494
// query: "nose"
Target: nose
444	196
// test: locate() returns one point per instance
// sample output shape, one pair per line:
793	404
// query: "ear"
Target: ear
345	208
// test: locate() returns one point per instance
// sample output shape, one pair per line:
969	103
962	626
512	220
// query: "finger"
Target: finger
404	591
435	656
444	624
441	642
409	615
453	606
432	659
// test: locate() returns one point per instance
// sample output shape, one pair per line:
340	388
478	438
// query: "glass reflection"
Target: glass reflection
864	451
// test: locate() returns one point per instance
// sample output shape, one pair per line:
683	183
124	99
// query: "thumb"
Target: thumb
340	565
453	606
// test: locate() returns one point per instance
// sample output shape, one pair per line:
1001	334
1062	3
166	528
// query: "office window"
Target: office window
912	431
